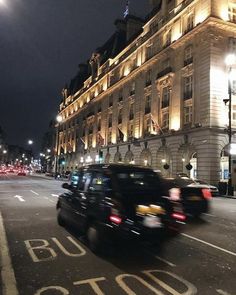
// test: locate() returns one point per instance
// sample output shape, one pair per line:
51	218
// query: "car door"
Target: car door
95	196
79	202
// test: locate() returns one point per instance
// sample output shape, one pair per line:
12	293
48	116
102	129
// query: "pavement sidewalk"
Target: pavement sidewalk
42	175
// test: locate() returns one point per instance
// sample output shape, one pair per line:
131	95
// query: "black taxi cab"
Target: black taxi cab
116	201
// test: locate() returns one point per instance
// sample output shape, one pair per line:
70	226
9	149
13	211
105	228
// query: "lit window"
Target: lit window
188	55
232	14
189	22
148	100
188	87
148	78
132	89
130	130
234	113
110	120
109	137
120	116
147	126
188	114
165	120
233	87
90	140
131	111
167	38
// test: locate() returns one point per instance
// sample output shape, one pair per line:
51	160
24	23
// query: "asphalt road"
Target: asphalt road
40	257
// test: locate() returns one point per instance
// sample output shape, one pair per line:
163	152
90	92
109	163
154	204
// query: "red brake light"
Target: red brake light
206	193
179	216
116	219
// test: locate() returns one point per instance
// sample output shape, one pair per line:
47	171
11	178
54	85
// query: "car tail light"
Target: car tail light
179	216
115	219
206	193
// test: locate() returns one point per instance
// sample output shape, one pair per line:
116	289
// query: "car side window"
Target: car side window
75	178
85	181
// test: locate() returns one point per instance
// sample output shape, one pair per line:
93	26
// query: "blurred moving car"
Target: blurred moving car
214	189
195	197
21	173
110	202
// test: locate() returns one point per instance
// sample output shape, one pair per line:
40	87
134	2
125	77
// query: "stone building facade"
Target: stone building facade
153	94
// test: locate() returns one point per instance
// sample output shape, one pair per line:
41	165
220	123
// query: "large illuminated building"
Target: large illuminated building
153	93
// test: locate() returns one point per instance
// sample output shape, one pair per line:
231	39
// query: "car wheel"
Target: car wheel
60	219
95	238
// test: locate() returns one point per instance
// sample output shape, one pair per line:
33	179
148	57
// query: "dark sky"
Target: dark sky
41	44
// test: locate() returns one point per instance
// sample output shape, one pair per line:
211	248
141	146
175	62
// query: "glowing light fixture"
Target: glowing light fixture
230	59
59	118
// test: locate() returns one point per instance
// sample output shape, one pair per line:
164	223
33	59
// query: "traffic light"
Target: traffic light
62	161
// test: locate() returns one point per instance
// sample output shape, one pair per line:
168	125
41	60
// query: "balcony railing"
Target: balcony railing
164	72
132	92
188	95
188	61
148	83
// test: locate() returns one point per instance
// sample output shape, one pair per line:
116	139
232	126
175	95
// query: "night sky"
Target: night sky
41	44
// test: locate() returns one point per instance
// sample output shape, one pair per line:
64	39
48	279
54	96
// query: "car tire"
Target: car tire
95	238
60	219
197	215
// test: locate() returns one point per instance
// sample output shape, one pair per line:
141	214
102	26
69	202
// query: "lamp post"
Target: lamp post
59	120
30	143
230	60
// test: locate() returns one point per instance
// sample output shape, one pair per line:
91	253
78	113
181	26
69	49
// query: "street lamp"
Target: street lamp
230	60
59	120
30	142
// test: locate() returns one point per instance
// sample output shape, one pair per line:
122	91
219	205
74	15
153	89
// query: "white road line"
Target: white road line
207	214
46	198
166	261
34	193
7	272
209	244
52	201
54	195
222	292
20	198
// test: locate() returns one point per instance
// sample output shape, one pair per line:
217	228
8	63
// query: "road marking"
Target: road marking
20	198
46	198
34	193
207	214
166	261
54	195
58	288
222	292
7	272
209	244
52	201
